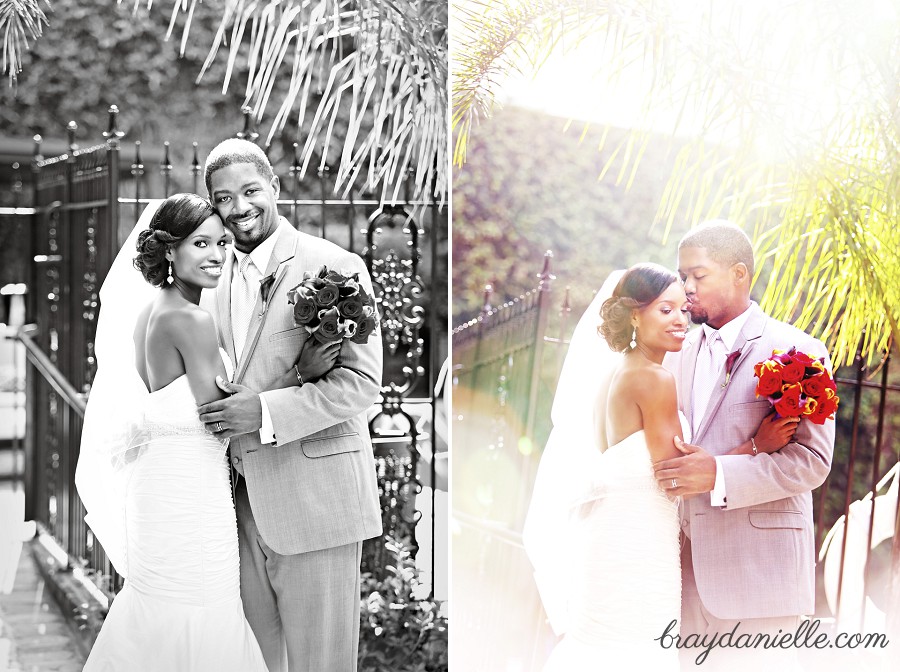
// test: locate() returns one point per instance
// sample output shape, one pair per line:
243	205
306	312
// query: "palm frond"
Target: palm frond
20	21
822	200
391	85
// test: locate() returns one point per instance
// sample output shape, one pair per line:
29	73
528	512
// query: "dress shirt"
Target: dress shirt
729	334
260	256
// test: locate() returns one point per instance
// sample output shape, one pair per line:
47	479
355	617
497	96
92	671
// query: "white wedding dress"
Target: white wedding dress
180	608
604	539
626	570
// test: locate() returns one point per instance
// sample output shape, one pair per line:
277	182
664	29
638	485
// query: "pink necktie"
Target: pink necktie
710	360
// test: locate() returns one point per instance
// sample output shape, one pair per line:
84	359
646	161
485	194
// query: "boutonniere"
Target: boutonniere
729	365
265	286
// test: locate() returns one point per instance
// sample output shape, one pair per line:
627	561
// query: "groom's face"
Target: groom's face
710	286
247	203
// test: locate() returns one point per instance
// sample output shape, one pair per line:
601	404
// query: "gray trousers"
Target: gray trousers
303	608
696	619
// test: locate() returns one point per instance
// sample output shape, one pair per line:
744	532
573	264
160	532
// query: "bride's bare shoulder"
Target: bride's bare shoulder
646	382
186	321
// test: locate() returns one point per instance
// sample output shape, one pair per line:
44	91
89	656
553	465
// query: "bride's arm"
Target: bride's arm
193	332
655	395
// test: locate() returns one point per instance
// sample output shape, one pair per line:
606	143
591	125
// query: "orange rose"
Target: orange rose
810	406
825	409
770	379
814	386
793	371
788	406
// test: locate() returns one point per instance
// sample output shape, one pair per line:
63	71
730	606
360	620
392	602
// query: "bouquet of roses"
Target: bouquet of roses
797	385
333	306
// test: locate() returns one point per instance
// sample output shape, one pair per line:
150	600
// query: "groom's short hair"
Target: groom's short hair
724	241
236	150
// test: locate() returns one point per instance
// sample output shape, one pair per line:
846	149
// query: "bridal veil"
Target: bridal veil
570	464
112	434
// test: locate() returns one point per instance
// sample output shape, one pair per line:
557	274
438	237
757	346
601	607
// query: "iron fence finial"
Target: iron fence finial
113	134
36	155
486	305
71	128
195	167
137	168
546	277
249	133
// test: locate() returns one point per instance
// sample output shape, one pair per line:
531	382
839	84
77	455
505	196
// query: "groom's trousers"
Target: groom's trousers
303	608
696	619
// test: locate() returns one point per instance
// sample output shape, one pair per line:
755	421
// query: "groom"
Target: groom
305	488
748	554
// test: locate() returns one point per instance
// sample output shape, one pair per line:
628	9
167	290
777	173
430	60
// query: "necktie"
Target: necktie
242	311
710	360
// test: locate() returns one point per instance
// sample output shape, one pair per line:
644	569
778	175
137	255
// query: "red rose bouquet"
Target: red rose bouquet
797	385
333	306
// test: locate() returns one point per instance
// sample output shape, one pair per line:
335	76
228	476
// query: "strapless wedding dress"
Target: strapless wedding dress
626	570
180	608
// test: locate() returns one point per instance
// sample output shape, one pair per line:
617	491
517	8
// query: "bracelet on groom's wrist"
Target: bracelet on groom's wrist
299	377
752	439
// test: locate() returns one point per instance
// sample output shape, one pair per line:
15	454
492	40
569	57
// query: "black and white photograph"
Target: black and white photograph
224	244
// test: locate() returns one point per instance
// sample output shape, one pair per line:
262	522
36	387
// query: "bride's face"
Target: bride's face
198	258
663	324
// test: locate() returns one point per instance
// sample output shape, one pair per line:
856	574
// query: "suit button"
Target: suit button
235	460
684	523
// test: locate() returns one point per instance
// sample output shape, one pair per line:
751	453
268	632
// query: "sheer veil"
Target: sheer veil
570	464
113	421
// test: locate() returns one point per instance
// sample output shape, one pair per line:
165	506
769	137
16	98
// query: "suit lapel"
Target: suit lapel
745	343
284	250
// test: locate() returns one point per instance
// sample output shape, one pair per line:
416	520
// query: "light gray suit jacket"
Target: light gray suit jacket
754	558
316	487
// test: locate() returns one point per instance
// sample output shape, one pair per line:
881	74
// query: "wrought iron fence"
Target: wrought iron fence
84	204
506	363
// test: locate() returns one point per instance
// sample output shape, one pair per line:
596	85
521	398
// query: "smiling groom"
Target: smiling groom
305	489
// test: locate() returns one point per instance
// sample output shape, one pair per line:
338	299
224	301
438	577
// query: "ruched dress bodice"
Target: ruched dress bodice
626	569
180	608
190	559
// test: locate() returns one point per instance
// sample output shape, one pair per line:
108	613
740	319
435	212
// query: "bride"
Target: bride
154	481
604	539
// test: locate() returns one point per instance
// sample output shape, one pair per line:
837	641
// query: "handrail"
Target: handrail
48	370
493	527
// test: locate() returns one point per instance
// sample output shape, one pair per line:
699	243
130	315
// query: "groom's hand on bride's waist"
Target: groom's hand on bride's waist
239	413
692	473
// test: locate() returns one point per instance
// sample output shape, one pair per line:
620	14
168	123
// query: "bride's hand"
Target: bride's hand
775	433
316	359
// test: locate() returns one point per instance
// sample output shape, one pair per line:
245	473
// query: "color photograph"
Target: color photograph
674	307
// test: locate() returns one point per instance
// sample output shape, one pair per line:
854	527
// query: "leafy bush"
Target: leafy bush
399	633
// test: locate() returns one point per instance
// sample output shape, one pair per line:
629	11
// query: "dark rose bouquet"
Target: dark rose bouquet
333	306
797	385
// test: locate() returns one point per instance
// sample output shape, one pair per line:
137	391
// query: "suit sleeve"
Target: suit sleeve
346	391
801	466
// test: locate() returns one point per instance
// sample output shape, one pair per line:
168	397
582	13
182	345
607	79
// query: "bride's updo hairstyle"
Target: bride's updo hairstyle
639	287
176	219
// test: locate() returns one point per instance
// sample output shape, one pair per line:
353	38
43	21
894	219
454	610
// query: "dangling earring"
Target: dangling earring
633	343
170	279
